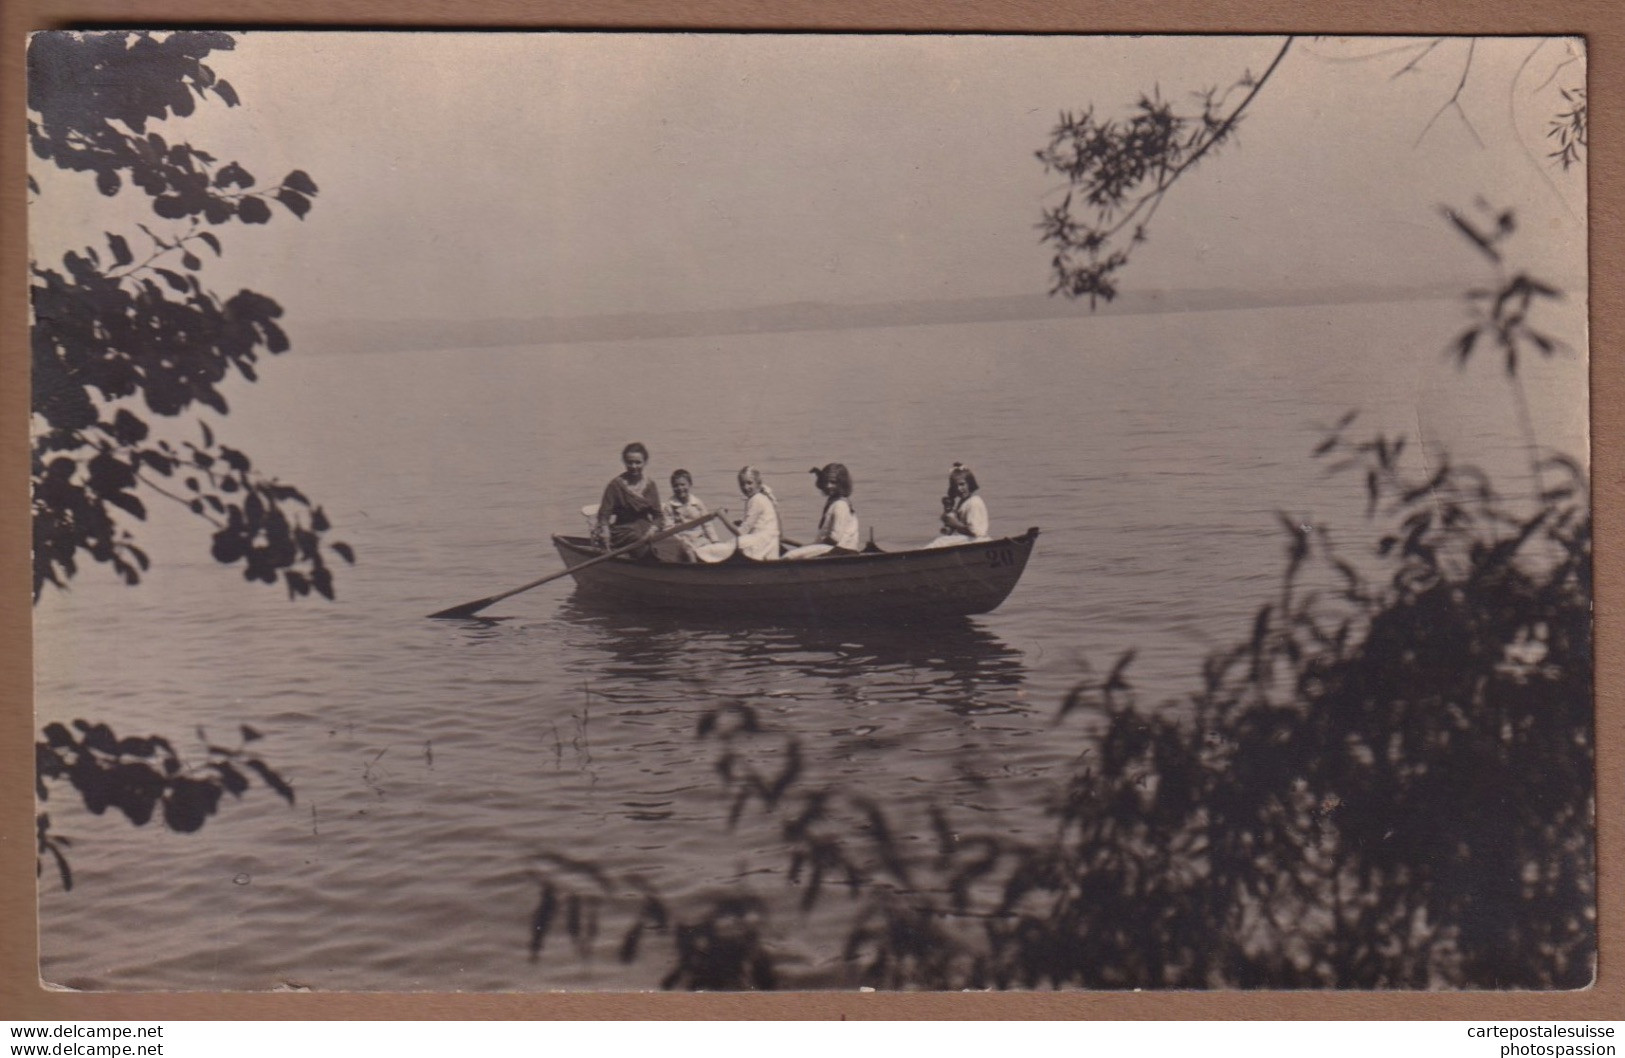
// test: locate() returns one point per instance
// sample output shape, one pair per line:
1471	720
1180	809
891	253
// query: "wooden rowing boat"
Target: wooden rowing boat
970	578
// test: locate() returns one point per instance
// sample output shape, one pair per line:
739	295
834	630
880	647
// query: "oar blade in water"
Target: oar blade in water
467	609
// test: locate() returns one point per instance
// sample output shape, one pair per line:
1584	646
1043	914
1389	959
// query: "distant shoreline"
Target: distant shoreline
423	335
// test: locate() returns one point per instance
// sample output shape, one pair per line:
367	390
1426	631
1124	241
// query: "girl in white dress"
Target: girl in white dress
758	532
838	528
964	515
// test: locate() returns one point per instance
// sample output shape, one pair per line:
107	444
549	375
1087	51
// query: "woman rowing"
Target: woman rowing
838	526
757	532
630	509
964	515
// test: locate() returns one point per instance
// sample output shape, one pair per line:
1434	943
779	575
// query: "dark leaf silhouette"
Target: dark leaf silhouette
300	181
253	211
1464	345
137	776
541	920
1482	242
272	779
297	204
141	336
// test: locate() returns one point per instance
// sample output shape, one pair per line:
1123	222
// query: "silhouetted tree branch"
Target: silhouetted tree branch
1502	315
1454	102
1118	171
140	777
123	334
1569	129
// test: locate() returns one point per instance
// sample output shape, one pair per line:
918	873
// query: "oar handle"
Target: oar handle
722	516
469	609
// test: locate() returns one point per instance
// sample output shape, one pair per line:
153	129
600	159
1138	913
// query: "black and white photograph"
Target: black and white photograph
588	512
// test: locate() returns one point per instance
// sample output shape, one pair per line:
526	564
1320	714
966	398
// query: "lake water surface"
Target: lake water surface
433	760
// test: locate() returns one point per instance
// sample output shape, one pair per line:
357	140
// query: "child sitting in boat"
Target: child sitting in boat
684	506
758	532
964	515
838	527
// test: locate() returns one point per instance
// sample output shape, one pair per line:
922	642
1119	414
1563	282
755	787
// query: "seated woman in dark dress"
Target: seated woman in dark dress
630	509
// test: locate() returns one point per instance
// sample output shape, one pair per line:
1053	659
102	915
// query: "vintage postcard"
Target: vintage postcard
605	512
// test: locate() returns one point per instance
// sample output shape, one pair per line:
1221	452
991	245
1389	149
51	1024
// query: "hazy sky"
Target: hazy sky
495	175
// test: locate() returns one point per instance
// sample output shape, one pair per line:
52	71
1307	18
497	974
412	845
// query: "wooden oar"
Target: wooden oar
469	609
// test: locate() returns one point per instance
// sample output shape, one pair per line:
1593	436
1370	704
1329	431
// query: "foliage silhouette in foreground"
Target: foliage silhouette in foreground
128	331
1388	783
141	777
1568	129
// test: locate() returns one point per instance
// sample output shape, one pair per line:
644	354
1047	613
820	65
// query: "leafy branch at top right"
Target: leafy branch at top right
1118	170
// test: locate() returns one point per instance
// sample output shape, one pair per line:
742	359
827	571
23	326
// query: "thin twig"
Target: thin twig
1383	54
1522	66
182	500
1555	70
1455	100
163	248
1414	63
1223	130
1512	120
1521	400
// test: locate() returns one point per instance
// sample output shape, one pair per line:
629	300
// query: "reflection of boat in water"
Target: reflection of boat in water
970	578
665	656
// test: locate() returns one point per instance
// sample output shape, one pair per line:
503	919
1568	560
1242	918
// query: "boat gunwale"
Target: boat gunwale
578	544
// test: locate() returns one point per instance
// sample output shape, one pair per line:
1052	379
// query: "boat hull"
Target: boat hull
971	578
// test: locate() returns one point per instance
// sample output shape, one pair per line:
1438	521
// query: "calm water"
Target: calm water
434	760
